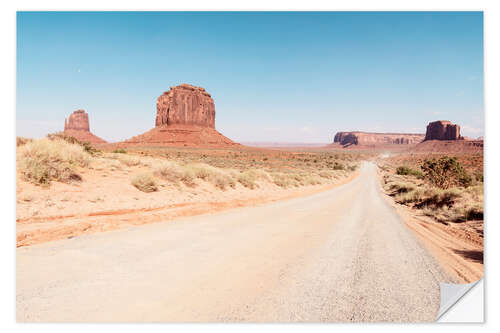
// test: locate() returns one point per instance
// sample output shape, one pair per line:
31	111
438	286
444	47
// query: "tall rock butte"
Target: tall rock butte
78	120
442	130
186	105
185	116
77	126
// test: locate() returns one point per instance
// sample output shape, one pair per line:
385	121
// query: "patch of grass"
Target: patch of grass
207	173
129	160
283	180
145	182
248	178
406	171
43	160
70	139
174	173
120	151
400	187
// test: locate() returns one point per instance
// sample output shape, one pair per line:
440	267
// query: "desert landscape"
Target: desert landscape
183	173
337	180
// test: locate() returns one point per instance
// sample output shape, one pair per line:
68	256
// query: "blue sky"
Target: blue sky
280	77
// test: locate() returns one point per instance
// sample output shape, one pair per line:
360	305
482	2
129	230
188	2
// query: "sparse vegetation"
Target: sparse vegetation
128	160
444	189
86	145
63	158
43	160
145	182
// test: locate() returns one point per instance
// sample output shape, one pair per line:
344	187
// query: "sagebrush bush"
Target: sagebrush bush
43	160
446	172
120	151
145	182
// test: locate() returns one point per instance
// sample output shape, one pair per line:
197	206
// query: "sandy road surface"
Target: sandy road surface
340	255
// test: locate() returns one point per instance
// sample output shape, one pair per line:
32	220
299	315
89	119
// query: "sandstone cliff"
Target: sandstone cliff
77	126
442	130
375	139
185	105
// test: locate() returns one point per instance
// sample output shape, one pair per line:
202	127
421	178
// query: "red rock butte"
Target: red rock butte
443	136
77	126
347	139
185	116
442	130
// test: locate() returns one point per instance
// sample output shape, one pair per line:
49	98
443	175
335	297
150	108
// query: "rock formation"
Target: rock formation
77	126
185	105
375	139
185	116
442	130
78	120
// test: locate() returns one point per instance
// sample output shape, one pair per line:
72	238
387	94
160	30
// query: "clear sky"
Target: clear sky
275	77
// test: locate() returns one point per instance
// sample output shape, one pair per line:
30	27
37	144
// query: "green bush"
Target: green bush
406	171
446	172
120	151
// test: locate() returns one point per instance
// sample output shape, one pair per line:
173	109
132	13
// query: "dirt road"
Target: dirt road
340	255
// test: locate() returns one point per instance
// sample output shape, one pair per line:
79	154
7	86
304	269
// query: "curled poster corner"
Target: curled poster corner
451	293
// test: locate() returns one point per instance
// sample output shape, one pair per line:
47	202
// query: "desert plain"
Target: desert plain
183	224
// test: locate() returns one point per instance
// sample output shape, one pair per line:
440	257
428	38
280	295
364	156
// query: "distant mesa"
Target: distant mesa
347	139
442	130
185	116
77	126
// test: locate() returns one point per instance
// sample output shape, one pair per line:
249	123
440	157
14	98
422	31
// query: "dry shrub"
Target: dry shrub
174	173
22	141
283	180
128	160
311	180
400	187
187	174
145	182
210	174
249	178
87	146
328	174
43	160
